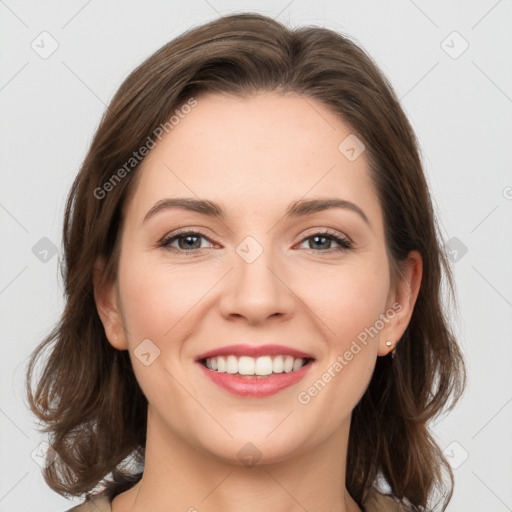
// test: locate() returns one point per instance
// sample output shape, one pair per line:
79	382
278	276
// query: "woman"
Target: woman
253	269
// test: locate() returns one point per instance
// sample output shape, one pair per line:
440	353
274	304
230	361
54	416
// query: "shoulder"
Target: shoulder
96	503
379	502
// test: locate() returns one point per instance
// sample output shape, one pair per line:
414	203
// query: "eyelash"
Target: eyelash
344	243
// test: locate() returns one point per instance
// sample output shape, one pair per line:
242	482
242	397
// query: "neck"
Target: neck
180	476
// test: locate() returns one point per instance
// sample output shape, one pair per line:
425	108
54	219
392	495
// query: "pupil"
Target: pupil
316	238
188	238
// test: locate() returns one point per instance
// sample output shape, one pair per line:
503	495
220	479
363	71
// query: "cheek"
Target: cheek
346	300
160	302
156	297
157	301
350	302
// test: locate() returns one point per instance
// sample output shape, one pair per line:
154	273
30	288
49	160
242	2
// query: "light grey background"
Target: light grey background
460	105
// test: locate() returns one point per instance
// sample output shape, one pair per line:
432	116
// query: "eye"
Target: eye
188	242
323	239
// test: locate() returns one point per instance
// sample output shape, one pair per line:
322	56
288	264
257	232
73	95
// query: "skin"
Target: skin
254	156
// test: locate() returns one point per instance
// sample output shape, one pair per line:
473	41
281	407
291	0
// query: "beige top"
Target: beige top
376	502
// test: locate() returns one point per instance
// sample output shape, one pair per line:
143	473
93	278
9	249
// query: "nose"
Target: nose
259	288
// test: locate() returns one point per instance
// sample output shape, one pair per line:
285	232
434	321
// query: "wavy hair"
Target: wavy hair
87	393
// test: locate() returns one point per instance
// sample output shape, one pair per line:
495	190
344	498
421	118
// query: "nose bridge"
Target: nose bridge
258	291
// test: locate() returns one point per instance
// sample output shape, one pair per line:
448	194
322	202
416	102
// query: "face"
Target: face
313	285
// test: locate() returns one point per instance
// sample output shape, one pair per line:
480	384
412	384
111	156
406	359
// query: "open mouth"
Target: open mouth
262	366
267	371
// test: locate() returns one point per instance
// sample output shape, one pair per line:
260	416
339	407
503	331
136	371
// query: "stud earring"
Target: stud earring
389	344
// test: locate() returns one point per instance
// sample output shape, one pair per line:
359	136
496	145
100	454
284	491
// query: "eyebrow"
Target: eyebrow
298	208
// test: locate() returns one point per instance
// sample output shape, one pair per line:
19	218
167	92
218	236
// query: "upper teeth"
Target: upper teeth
245	365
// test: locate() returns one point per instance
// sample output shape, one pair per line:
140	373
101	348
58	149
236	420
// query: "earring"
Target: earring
389	344
115	337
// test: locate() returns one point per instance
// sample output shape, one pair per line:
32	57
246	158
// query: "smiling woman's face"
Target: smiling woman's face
255	276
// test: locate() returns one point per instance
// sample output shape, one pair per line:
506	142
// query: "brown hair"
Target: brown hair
87	393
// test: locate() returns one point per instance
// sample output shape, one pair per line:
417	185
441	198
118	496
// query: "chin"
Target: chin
251	446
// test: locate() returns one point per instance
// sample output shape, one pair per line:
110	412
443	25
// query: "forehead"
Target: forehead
260	152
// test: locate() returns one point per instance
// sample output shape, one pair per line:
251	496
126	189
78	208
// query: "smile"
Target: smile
257	375
254	370
251	366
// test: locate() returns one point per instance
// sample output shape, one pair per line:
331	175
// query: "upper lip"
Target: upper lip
253	351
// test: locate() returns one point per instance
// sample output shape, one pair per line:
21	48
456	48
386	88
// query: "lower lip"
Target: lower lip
255	386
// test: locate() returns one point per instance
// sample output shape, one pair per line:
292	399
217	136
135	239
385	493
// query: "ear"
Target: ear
401	301
107	301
